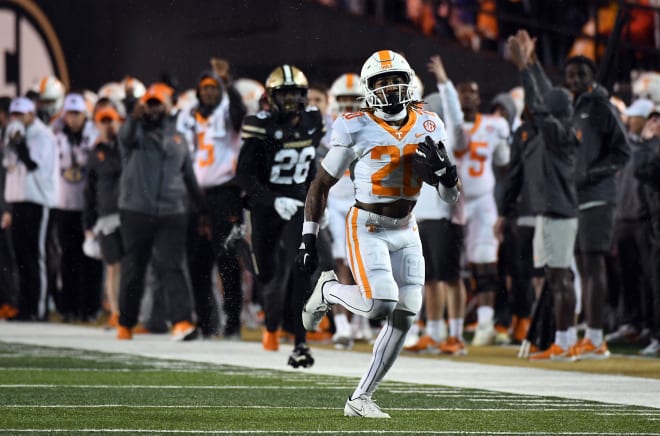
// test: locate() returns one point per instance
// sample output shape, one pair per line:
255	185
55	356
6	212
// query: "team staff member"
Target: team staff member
156	179
80	295
212	128
604	150
30	189
275	167
385	252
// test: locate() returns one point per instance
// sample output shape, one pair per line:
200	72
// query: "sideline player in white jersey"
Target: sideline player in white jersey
212	127
487	146
380	146
346	92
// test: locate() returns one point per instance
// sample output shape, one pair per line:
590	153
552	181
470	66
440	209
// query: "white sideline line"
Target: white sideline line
617	389
152	431
191	387
214	406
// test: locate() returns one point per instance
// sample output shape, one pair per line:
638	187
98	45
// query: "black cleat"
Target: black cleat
301	356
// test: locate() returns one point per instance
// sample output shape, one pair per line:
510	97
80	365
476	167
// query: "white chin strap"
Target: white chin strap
391	117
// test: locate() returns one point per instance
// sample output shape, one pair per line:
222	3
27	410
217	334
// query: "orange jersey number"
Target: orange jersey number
395	160
208	148
477	161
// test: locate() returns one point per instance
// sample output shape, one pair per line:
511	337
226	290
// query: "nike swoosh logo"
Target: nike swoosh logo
419	135
442	159
305	258
584	115
311	131
360	410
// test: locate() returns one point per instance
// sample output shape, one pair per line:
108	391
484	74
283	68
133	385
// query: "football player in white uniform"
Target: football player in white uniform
487	146
380	146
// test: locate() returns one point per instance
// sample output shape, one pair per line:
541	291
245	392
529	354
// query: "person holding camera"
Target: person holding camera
31	161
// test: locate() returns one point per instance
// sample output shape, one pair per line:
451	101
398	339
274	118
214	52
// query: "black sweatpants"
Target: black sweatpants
161	239
8	276
225	211
29	223
275	245
82	276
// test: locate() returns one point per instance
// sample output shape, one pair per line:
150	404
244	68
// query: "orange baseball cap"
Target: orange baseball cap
158	91
106	112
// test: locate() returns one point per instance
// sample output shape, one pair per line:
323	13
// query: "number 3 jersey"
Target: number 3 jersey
380	155
487	145
278	160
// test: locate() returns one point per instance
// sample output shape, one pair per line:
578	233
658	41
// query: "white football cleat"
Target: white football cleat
364	407
315	308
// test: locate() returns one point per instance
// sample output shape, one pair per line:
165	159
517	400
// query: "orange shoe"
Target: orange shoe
7	311
124	333
425	344
554	353
584	349
521	328
184	331
453	346
270	340
113	320
321	337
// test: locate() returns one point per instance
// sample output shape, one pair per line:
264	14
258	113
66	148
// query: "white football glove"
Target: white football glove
92	248
287	207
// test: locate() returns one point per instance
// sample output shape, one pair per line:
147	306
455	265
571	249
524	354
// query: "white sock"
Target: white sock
456	328
572	336
485	314
561	339
436	329
387	347
596	336
348	296
341	323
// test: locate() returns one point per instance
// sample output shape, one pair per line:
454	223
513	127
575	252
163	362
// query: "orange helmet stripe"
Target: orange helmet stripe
349	81
42	85
385	58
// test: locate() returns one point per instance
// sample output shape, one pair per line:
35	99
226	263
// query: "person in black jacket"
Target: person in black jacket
647	171
604	150
275	167
548	167
101	211
8	279
157	178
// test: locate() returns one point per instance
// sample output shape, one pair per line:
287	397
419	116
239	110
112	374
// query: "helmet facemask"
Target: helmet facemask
390	97
287	90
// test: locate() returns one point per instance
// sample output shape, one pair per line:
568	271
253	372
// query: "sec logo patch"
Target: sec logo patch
429	125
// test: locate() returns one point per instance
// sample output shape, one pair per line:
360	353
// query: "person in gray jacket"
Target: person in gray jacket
157	177
548	170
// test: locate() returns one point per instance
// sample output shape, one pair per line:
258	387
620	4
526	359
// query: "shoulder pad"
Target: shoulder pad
350	122
255	125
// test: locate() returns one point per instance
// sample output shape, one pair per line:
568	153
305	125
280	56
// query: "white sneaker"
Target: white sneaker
651	349
364	407
484	334
315	307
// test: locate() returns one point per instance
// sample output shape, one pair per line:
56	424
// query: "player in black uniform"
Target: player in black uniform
275	167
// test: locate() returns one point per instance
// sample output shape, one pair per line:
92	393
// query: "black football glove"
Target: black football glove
307	257
432	164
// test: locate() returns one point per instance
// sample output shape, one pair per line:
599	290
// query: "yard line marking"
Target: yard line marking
211	387
154	431
220	406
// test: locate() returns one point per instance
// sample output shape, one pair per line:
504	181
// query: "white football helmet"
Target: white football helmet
51	95
251	91
386	62
647	85
131	84
346	85
116	93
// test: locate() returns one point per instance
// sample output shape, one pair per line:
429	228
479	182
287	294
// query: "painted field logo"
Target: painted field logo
30	46
429	125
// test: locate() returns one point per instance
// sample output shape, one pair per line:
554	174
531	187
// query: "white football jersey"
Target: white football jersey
73	167
214	144
487	145
381	165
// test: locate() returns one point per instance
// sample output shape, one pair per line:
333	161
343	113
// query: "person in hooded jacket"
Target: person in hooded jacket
212	128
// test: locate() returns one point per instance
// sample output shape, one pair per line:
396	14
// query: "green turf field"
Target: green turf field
62	391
